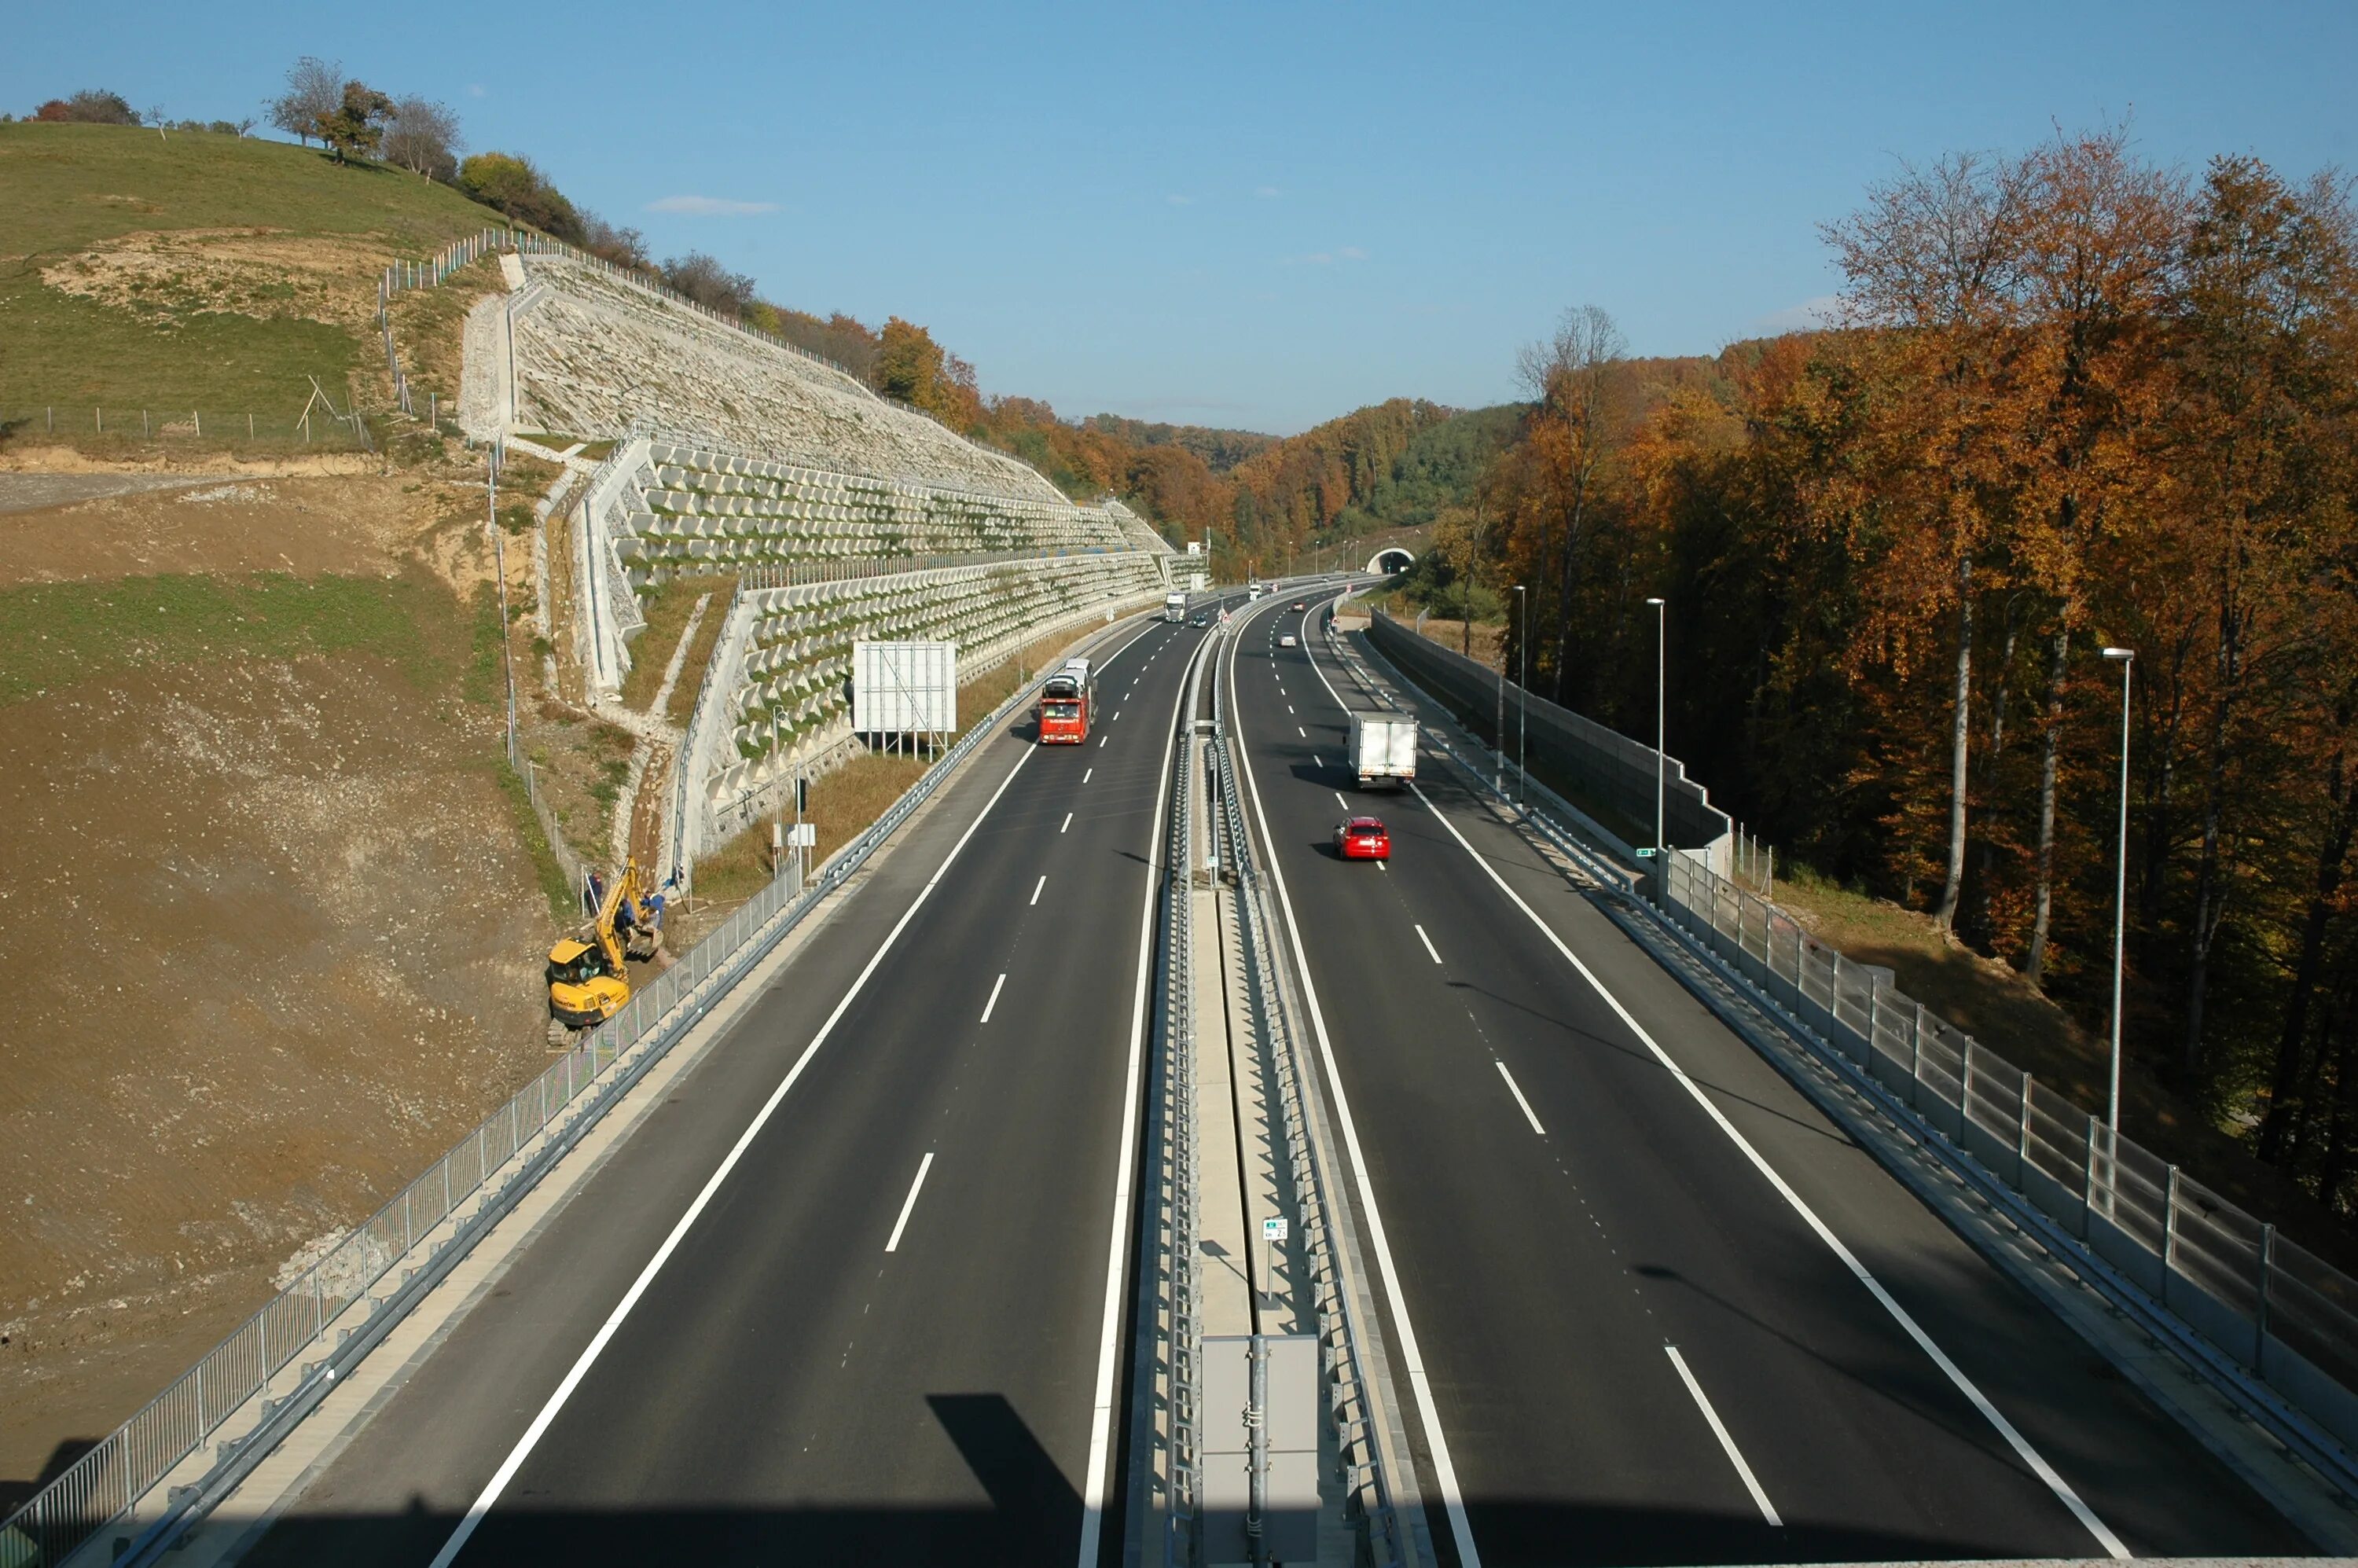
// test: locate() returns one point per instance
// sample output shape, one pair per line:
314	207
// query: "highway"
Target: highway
1644	1304
852	1293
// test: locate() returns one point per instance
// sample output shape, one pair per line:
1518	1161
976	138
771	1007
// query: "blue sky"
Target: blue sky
1258	216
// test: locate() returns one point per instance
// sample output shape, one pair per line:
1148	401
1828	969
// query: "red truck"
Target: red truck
1065	701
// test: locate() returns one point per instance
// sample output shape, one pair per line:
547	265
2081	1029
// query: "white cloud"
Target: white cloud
1806	317
474	89
1267	190
709	206
1352	253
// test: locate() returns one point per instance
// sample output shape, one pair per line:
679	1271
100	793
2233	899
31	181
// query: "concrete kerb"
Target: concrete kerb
2161	1357
160	1520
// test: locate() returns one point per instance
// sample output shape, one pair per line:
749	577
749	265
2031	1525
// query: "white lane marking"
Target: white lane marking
483	1503
1340	801
993	1002
1086	773
1734	1456
1412	1357
1069	822
1428	946
1101	740
910	1203
1117	1252
1038	885
1298	730
1314	761
1516	1089
1964	1385
1115	719
1289	707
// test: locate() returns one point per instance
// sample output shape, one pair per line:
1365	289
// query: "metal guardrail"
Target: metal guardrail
1179	1014
502	1159
1341	1327
2270	1322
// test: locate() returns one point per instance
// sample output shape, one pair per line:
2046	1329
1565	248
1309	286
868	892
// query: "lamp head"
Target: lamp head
2120	655
1657	604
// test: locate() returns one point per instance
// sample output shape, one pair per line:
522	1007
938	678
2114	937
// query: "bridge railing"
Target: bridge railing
2271	1308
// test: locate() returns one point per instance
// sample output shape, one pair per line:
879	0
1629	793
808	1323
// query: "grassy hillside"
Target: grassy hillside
194	271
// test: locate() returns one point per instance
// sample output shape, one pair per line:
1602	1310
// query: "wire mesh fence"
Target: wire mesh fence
286	429
2277	1312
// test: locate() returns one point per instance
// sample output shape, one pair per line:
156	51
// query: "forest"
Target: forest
2068	401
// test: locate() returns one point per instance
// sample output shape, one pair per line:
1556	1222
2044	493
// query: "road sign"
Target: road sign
805	836
1273	1229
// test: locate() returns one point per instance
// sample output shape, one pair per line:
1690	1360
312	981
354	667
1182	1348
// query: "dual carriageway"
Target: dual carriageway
859	1289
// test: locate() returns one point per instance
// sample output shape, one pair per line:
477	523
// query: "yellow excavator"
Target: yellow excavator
588	981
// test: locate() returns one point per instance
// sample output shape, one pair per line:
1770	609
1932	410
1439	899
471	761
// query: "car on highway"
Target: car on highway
1287	641
1201	621
1297	604
1363	839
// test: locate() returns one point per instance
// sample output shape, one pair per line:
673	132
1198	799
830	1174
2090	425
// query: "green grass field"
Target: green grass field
269	280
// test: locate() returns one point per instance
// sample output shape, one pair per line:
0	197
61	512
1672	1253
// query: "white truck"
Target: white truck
1383	748
1174	607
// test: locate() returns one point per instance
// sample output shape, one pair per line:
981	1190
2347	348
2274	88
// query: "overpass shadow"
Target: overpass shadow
1032	1516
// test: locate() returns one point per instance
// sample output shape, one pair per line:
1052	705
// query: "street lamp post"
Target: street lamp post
1661	673
1522	691
2127	659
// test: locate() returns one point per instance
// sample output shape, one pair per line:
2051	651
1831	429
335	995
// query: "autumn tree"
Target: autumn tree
424	138
1566	377
1930	265
356	127
315	88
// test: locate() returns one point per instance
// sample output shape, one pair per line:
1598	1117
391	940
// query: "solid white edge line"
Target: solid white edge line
1428	944
1117	1253
989	1006
1964	1385
909	1204
1727	1443
483	1503
1517	1091
1035	889
1411	1356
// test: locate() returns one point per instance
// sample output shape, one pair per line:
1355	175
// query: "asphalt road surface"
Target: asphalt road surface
882	1336
1647	1315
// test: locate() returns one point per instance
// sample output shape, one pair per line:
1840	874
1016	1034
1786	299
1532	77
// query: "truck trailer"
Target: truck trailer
1383	748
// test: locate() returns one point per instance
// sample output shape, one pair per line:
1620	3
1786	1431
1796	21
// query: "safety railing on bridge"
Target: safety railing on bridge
2270	1307
354	1288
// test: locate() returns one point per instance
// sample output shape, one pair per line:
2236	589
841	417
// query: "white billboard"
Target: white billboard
904	688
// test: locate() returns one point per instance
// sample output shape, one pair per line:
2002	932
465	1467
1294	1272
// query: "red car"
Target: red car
1363	839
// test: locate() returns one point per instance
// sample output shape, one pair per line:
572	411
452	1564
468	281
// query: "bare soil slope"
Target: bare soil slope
275	920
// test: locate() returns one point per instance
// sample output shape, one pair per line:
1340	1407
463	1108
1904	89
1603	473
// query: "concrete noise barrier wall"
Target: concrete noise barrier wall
1604	773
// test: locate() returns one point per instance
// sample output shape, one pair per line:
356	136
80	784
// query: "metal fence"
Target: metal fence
2270	1307
494	1167
213	428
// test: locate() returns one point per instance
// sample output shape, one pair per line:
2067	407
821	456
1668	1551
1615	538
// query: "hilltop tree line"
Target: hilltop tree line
2069	400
